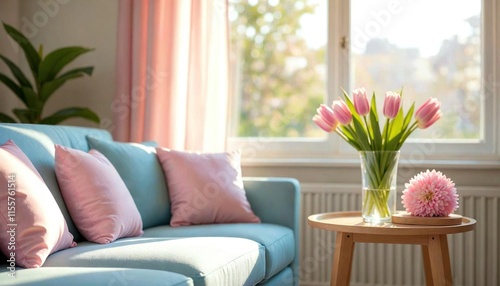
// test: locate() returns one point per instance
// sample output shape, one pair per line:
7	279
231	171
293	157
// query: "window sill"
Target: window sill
354	163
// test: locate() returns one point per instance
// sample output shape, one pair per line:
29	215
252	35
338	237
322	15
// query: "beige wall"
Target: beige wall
58	23
9	13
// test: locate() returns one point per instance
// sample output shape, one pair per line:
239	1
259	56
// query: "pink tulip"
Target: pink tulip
392	104
325	118
341	112
361	101
327	114
428	113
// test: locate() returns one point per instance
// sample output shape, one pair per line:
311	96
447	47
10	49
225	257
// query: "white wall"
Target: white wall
59	23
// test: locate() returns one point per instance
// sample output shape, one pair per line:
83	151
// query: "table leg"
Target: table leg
437	261
342	259
427	265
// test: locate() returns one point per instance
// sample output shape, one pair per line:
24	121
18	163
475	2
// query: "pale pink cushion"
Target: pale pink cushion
205	188
32	225
96	196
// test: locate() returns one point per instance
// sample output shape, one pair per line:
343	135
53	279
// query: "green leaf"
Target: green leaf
359	128
48	88
56	60
375	126
70	112
406	134
350	104
397	124
32	101
86	70
29	51
7	119
393	143
361	135
352	142
40	51
350	137
16	71
14	87
25	115
408	116
346	132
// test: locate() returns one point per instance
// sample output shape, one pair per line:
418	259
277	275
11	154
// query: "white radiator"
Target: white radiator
474	256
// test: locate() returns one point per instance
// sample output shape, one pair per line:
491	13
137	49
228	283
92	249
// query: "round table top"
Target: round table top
352	222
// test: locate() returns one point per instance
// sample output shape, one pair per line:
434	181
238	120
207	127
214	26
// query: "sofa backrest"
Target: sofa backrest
37	142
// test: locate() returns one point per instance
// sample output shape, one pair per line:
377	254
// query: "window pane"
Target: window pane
278	66
428	48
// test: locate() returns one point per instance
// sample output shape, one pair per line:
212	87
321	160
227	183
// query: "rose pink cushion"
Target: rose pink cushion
97	199
205	188
32	225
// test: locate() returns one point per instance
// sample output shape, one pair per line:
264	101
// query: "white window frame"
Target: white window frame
332	149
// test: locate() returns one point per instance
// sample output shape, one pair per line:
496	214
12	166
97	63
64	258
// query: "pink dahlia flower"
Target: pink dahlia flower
430	194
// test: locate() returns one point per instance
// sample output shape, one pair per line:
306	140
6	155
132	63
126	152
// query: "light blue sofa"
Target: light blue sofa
218	254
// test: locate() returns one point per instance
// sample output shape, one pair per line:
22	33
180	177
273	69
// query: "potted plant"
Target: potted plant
47	76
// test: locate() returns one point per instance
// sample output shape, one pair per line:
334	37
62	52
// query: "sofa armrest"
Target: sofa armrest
277	200
274	200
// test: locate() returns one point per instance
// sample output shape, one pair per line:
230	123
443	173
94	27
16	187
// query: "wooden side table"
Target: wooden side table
350	229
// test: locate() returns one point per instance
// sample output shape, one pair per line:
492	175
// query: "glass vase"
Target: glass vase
379	179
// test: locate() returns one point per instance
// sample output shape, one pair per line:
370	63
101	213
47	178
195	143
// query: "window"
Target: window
280	62
392	47
290	56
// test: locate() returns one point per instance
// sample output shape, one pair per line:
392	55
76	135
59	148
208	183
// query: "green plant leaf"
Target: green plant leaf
40	51
25	115
397	124
408	117
70	112
350	104
32	100
361	135
56	60
84	70
375	126
16	71
7	119
393	143
14	87
352	142
350	137
29	51
49	87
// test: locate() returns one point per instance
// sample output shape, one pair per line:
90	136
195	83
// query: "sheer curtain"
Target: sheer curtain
172	73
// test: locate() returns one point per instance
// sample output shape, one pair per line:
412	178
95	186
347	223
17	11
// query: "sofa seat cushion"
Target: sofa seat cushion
278	241
214	261
284	277
84	276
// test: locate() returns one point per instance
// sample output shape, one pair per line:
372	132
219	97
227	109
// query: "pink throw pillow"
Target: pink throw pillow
96	196
32	225
205	188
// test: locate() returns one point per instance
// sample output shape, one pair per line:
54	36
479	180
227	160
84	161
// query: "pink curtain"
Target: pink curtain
172	73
